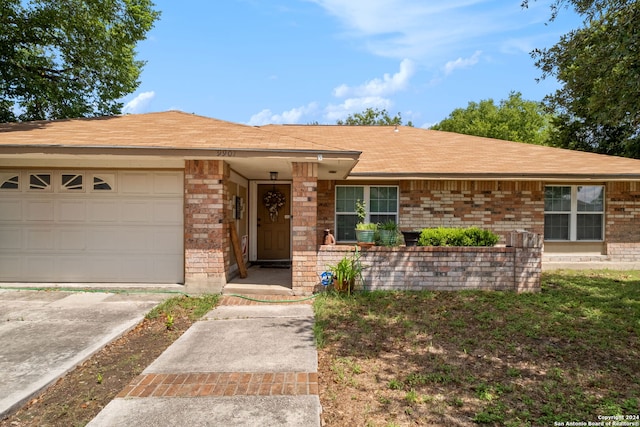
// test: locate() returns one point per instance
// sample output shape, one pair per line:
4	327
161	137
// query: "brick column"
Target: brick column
528	260
206	234
304	235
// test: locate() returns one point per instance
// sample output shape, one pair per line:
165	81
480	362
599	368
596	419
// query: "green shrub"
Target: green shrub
471	236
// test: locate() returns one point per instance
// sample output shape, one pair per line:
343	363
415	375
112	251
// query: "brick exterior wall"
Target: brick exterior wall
515	268
622	216
304	228
206	232
500	206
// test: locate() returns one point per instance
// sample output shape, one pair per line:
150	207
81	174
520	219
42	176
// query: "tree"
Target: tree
373	117
598	66
513	119
69	58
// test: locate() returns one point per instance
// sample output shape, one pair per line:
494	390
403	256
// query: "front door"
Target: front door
274	221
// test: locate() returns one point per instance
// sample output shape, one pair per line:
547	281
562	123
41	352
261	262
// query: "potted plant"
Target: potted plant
411	237
346	272
365	231
388	233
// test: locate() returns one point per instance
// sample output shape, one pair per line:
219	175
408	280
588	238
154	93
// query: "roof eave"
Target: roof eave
509	176
217	152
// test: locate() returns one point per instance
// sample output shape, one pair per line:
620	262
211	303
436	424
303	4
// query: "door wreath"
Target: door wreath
273	201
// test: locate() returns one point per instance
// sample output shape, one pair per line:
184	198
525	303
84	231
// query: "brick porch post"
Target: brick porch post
206	234
305	238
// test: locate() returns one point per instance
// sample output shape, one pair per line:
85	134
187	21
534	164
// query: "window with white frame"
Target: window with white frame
381	205
574	213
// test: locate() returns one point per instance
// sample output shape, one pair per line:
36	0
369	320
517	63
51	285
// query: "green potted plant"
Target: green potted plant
388	233
365	231
346	272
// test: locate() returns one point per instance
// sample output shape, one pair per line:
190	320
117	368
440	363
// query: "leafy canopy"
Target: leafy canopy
513	119
69	58
373	117
598	66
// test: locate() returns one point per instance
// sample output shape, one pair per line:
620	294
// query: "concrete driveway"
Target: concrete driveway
45	334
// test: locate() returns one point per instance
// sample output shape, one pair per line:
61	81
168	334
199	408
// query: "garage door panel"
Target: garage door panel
11	267
103	211
41	268
135	183
10	238
40	239
11	210
39	210
129	232
167	212
105	240
71	268
167	241
139	212
73	239
166	266
72	210
138	240
167	183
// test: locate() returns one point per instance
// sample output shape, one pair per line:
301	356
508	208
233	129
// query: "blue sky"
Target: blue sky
304	61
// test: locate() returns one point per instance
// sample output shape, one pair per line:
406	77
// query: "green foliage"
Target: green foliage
346	272
471	236
361	210
513	119
197	306
367	226
169	321
389	226
388	233
72	58
373	117
597	65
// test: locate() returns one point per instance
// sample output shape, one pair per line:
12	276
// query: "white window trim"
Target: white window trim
367	197
573	214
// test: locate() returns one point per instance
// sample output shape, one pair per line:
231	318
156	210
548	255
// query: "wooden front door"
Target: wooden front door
274	222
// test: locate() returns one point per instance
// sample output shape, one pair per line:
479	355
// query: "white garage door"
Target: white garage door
91	226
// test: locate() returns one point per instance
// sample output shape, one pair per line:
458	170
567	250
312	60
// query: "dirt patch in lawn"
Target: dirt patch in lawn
80	395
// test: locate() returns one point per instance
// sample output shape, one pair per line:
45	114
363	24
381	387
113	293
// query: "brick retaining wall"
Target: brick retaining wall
514	267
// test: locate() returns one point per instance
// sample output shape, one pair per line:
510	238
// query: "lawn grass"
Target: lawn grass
566	354
194	307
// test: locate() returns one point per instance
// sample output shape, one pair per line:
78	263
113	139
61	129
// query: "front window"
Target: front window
381	203
574	213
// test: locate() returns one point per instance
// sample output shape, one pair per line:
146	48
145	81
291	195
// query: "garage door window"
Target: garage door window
11	183
63	182
40	181
103	182
72	182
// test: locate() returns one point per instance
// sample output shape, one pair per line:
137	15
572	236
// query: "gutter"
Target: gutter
509	176
213	152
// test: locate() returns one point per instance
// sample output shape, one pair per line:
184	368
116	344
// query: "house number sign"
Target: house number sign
226	153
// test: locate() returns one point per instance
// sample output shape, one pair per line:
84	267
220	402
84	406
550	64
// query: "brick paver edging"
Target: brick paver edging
222	384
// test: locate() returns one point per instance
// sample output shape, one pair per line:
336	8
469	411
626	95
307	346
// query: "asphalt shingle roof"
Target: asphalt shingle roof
387	151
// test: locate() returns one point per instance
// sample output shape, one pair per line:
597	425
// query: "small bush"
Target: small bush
471	236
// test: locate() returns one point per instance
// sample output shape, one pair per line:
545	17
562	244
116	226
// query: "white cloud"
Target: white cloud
354	105
420	30
451	66
292	116
379	87
139	103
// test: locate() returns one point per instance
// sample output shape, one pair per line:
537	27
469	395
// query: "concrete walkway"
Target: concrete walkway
242	365
45	334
